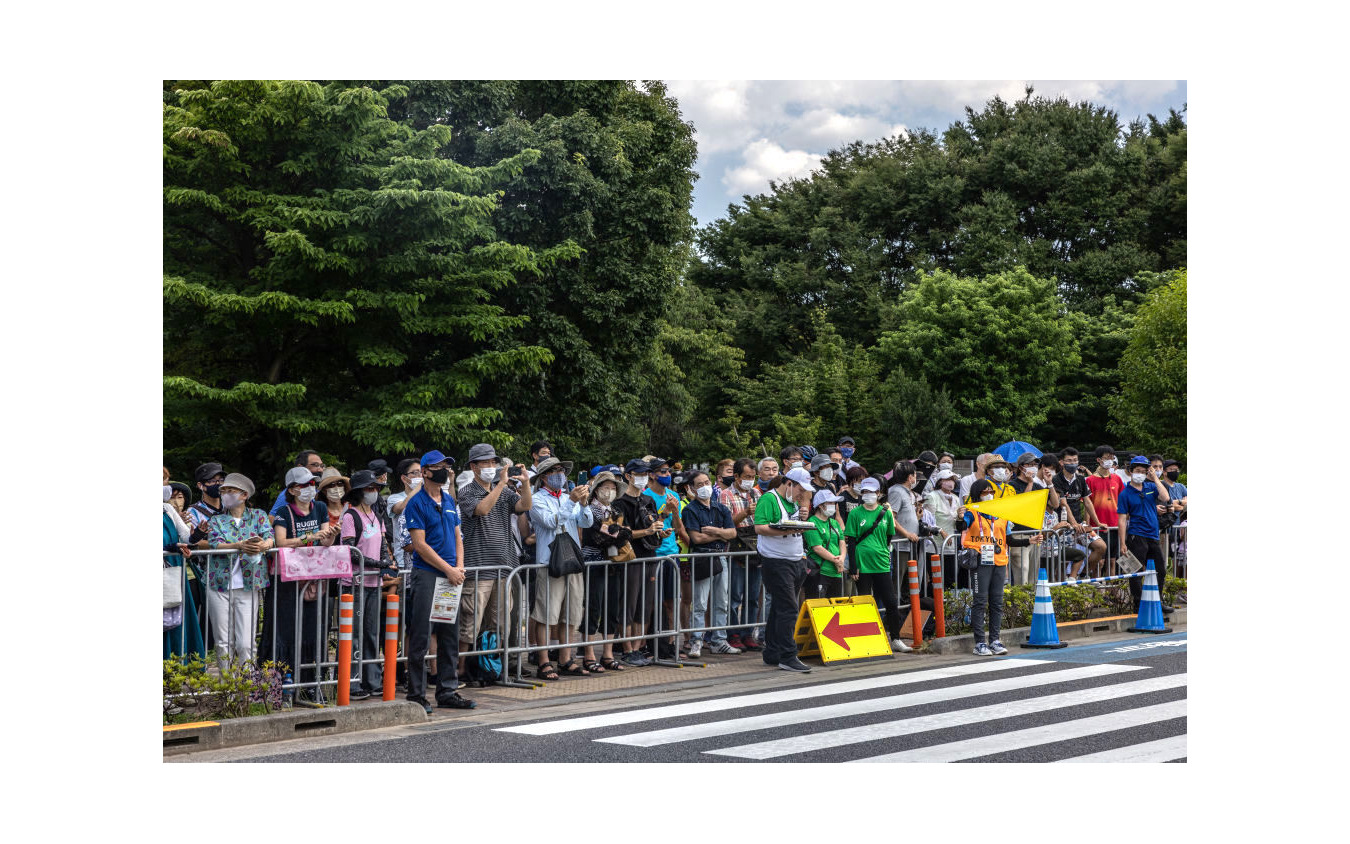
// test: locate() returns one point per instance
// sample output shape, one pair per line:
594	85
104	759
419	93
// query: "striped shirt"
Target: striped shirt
487	539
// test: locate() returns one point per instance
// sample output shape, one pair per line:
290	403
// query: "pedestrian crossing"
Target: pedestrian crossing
1005	709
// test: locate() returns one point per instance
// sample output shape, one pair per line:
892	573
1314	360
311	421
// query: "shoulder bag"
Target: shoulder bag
564	556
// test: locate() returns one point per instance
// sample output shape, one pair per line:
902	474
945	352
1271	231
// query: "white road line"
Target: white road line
1048	734
861	707
1162	750
633	716
943	720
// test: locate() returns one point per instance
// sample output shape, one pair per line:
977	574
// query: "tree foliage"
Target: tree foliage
1150	409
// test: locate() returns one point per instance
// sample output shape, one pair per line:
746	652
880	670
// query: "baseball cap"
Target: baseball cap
1026	458
824	496
481	451
1139	460
799	476
843	440
299	475
431	458
637	467
207	471
657	463
378	467
870	484
943	474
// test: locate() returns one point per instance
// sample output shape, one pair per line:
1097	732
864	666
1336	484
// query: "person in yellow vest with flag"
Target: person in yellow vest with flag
988	537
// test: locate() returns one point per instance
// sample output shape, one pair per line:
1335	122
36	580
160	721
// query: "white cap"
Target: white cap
869	484
943	475
824	496
800	476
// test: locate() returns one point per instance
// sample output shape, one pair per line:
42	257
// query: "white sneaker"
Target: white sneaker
997	647
695	650
722	646
983	650
899	646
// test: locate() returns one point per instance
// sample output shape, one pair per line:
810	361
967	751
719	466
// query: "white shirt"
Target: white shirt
781	547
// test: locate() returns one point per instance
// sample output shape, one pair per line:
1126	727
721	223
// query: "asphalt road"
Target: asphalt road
1112	701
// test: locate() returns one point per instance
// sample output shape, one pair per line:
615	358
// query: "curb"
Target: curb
1012	637
259	729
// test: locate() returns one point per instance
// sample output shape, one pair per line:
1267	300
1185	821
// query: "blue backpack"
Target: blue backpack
485	668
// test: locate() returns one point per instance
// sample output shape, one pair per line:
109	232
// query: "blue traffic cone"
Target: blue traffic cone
1150	606
1044	633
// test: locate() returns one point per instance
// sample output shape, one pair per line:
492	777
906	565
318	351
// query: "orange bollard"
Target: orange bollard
390	645
914	612
344	679
939	611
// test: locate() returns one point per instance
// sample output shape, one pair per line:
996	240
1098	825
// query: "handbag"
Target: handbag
968	559
173	587
564	556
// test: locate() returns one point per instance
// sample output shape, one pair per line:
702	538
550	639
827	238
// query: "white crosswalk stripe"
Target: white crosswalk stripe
1018	739
945	720
633	716
1162	750
862	707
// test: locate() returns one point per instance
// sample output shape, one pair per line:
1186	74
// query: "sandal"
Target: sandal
593	666
547	671
613	664
573	668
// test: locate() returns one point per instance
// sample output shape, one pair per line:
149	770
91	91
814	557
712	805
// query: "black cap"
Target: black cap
379	467
207	471
846	439
363	478
657	462
637	467
927	457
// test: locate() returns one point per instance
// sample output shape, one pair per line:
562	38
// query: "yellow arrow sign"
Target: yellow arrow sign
1026	509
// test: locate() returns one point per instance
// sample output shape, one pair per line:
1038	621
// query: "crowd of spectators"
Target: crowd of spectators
726	551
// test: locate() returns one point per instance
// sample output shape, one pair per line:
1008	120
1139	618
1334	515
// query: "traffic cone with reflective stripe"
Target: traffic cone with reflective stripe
1044	633
1150	606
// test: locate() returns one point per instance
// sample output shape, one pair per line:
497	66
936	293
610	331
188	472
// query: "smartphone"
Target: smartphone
582	476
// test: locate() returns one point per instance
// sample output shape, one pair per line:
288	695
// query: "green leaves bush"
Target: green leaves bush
241	688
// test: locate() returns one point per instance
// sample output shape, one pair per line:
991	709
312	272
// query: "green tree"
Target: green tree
1150	408
329	276
997	345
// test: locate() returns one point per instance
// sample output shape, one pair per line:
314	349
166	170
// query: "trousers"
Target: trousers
1145	549
987	586
714	588
783	579
420	629
234	618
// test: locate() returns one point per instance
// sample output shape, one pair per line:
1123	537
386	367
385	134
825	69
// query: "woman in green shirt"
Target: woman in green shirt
825	543
870	529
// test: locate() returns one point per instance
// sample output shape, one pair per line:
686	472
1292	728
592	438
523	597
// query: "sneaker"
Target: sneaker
696	649
358	693
636	659
735	641
899	646
667	651
794	664
456	702
983	650
997	647
750	643
418	699
723	647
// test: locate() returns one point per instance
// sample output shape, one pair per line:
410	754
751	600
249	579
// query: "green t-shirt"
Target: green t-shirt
874	552
827	534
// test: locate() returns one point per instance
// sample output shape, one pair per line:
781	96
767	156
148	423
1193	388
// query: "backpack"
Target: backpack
485	669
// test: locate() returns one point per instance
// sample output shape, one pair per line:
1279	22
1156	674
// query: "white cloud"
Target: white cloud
765	160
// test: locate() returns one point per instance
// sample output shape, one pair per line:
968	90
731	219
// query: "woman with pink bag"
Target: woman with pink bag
303	522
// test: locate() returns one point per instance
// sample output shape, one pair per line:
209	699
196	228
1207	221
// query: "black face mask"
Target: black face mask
1070	468
1173	475
440	476
212	491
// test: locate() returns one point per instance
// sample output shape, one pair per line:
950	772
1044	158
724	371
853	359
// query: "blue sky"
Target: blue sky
750	132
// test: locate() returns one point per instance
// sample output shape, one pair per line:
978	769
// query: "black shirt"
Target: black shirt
638	513
1072	493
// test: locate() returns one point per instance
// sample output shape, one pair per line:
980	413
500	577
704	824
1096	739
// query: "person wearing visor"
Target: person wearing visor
988	536
361	528
825	543
784	563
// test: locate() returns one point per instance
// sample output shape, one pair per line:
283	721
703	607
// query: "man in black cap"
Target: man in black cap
209	477
846	448
638	512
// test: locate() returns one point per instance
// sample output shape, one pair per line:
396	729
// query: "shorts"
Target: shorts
559	599
1112	542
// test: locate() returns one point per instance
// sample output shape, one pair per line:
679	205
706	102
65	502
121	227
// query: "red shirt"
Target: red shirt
1105	491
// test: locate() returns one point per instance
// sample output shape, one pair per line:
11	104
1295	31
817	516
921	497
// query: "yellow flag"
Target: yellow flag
1027	509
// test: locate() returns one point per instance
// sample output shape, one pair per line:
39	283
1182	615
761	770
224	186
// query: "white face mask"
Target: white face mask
230	500
869	498
704	493
1138	477
827	474
168	492
1109	464
1030	469
1000	475
746	485
334	493
946	466
414	483
371	497
947	484
488	473
986	498
796	464
829	509
640	481
605	495
306	495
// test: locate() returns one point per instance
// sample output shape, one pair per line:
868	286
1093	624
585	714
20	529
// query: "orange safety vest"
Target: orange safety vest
984	531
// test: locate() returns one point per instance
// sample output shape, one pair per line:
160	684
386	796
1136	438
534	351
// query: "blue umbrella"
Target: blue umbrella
1010	451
